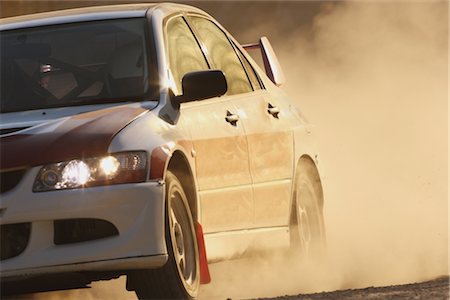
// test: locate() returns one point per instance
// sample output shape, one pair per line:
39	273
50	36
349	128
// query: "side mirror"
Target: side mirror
196	86
202	85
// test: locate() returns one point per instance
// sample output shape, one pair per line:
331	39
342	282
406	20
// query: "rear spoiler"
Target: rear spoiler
271	64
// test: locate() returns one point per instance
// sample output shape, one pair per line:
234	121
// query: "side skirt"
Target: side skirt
234	244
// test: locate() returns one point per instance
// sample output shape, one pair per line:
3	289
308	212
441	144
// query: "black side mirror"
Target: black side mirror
196	86
203	85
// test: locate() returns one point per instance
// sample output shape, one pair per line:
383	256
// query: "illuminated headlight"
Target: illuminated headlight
116	168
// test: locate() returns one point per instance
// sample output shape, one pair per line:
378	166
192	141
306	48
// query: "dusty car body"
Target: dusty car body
160	148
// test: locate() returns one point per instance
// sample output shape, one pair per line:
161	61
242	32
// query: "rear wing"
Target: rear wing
271	64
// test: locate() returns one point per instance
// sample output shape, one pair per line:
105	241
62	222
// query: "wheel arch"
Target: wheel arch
180	166
307	164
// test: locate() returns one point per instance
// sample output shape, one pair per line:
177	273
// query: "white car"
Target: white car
144	140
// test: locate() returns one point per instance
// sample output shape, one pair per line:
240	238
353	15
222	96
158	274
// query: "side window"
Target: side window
250	71
222	55
185	54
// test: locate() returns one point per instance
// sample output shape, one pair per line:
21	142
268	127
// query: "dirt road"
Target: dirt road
430	290
437	289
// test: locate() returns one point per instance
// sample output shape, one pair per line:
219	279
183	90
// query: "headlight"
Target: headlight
116	168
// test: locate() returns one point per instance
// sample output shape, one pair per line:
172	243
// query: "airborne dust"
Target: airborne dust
373	79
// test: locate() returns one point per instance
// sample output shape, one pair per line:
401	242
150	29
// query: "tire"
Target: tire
180	276
307	229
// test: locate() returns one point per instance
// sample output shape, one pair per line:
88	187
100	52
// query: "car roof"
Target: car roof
92	13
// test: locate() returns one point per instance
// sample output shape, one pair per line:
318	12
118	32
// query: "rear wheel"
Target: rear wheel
180	277
307	230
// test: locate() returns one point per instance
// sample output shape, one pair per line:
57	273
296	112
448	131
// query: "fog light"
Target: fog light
76	173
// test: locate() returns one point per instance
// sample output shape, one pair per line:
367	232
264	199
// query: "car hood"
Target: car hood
74	137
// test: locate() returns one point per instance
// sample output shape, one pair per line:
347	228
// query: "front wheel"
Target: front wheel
307	229
180	276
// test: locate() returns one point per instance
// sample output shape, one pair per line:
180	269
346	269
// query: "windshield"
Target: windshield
73	64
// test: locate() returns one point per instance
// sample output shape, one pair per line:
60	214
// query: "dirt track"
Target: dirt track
430	290
437	289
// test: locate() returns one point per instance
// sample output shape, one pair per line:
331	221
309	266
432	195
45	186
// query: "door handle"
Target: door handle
273	110
232	118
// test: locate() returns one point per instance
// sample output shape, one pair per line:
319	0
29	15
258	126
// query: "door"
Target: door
219	141
265	122
271	156
222	166
268	125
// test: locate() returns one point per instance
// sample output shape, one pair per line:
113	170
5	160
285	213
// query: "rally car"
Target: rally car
143	140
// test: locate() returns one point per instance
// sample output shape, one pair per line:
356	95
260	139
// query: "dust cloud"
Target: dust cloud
373	79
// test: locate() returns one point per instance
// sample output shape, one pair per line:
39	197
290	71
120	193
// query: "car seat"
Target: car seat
126	70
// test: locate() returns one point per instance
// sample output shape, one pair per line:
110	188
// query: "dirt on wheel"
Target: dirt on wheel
429	290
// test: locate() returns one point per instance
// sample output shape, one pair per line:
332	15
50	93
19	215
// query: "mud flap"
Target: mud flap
205	277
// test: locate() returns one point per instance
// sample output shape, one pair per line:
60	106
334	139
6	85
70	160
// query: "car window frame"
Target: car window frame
203	46
242	55
166	21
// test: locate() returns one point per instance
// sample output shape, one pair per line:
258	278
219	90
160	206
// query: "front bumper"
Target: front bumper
136	210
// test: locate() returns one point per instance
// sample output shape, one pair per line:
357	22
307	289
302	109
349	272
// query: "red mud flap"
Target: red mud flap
204	270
